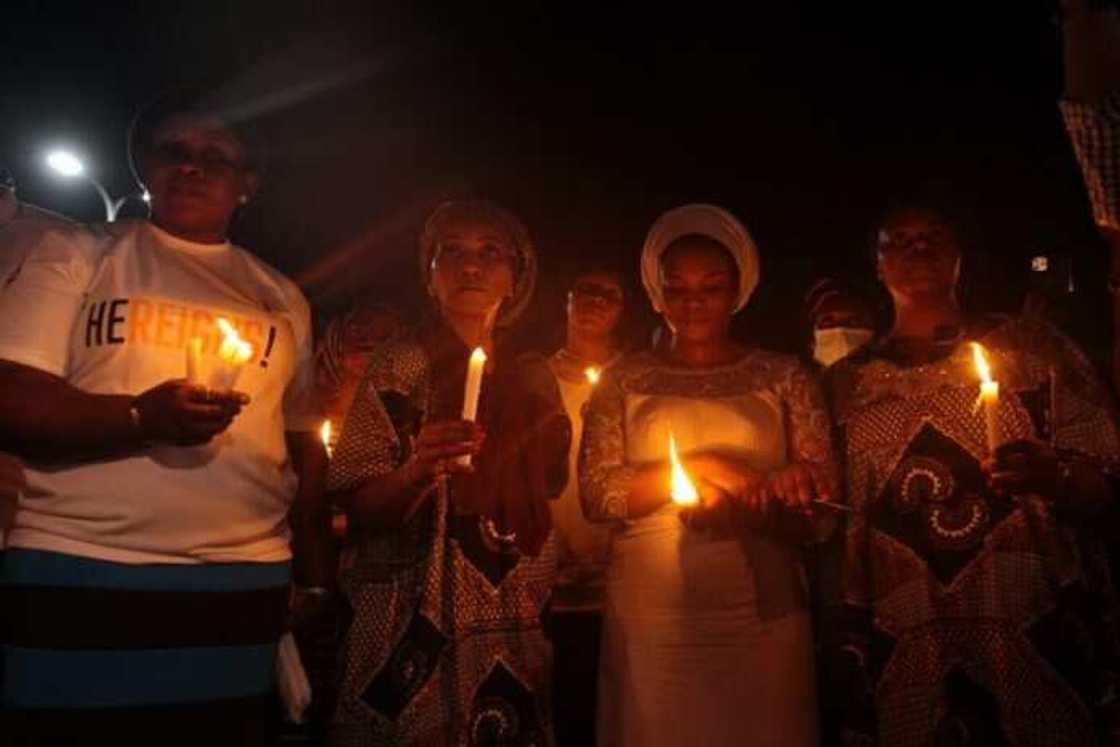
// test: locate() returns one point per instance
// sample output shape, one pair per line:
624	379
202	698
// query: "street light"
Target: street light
67	164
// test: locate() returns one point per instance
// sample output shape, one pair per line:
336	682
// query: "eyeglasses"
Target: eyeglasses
208	159
593	291
893	242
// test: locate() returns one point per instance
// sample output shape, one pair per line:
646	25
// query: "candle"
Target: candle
682	490
989	397
473	390
233	354
325	432
194	361
592	373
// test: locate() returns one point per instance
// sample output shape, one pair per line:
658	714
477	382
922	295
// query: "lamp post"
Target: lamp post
70	166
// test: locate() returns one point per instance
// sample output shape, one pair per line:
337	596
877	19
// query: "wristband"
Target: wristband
137	425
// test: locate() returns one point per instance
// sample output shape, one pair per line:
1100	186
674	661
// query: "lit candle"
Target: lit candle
473	390
325	431
989	397
233	354
592	373
194	361
682	490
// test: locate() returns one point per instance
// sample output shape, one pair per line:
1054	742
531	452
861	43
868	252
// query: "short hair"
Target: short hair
939	198
189	101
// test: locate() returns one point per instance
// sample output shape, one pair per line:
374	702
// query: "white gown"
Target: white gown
687	659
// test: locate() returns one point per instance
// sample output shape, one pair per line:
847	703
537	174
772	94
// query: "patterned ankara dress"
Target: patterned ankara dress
446	645
707	636
971	618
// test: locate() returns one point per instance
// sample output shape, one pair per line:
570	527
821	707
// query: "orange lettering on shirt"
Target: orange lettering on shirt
166	324
139	317
202	327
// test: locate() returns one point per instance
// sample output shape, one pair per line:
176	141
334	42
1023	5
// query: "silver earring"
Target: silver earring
243	199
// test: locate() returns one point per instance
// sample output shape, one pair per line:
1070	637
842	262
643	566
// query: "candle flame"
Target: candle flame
983	370
233	349
683	491
325	431
478	357
592	373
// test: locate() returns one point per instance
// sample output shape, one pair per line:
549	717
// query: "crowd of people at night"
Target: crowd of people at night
908	534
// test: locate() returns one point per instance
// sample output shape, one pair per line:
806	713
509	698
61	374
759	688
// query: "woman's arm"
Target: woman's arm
43	418
388	501
810	473
610	488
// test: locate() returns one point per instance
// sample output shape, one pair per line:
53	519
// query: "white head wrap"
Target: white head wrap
702	220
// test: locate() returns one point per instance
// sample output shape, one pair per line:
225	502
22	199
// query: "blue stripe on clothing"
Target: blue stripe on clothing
40	568
40	678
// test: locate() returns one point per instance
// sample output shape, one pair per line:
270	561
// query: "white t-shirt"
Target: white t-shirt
110	308
582	547
20	226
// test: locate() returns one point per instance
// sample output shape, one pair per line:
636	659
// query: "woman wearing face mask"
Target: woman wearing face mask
839	320
448	565
977	608
707	636
148	568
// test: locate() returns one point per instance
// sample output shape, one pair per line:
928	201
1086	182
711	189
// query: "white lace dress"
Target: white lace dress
707	636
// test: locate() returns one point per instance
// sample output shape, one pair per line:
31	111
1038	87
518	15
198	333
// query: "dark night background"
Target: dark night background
587	122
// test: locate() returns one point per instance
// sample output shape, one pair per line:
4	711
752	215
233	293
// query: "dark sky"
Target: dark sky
587	122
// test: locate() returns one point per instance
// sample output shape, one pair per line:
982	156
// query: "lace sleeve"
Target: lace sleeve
604	476
810	434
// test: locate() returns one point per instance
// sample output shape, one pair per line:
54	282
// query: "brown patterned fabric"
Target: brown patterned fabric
969	617
446	645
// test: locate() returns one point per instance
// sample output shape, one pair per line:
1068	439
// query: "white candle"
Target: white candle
682	491
473	390
989	397
194	361
474	384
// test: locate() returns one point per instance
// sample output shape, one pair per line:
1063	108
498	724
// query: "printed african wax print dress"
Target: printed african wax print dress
446	645
969	617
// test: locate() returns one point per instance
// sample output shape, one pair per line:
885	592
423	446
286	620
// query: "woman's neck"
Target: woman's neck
696	354
926	320
597	350
474	331
197	236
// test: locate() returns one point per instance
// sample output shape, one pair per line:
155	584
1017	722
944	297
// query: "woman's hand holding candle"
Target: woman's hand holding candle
179	414
795	486
441	445
1021	467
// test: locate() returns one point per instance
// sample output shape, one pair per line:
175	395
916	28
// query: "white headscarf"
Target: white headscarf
703	220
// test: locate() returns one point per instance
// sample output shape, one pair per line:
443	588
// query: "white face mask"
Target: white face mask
834	343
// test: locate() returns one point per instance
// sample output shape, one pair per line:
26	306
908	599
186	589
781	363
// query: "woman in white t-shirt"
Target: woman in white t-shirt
148	567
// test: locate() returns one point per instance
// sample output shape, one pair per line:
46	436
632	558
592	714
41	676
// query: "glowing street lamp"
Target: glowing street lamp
66	164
